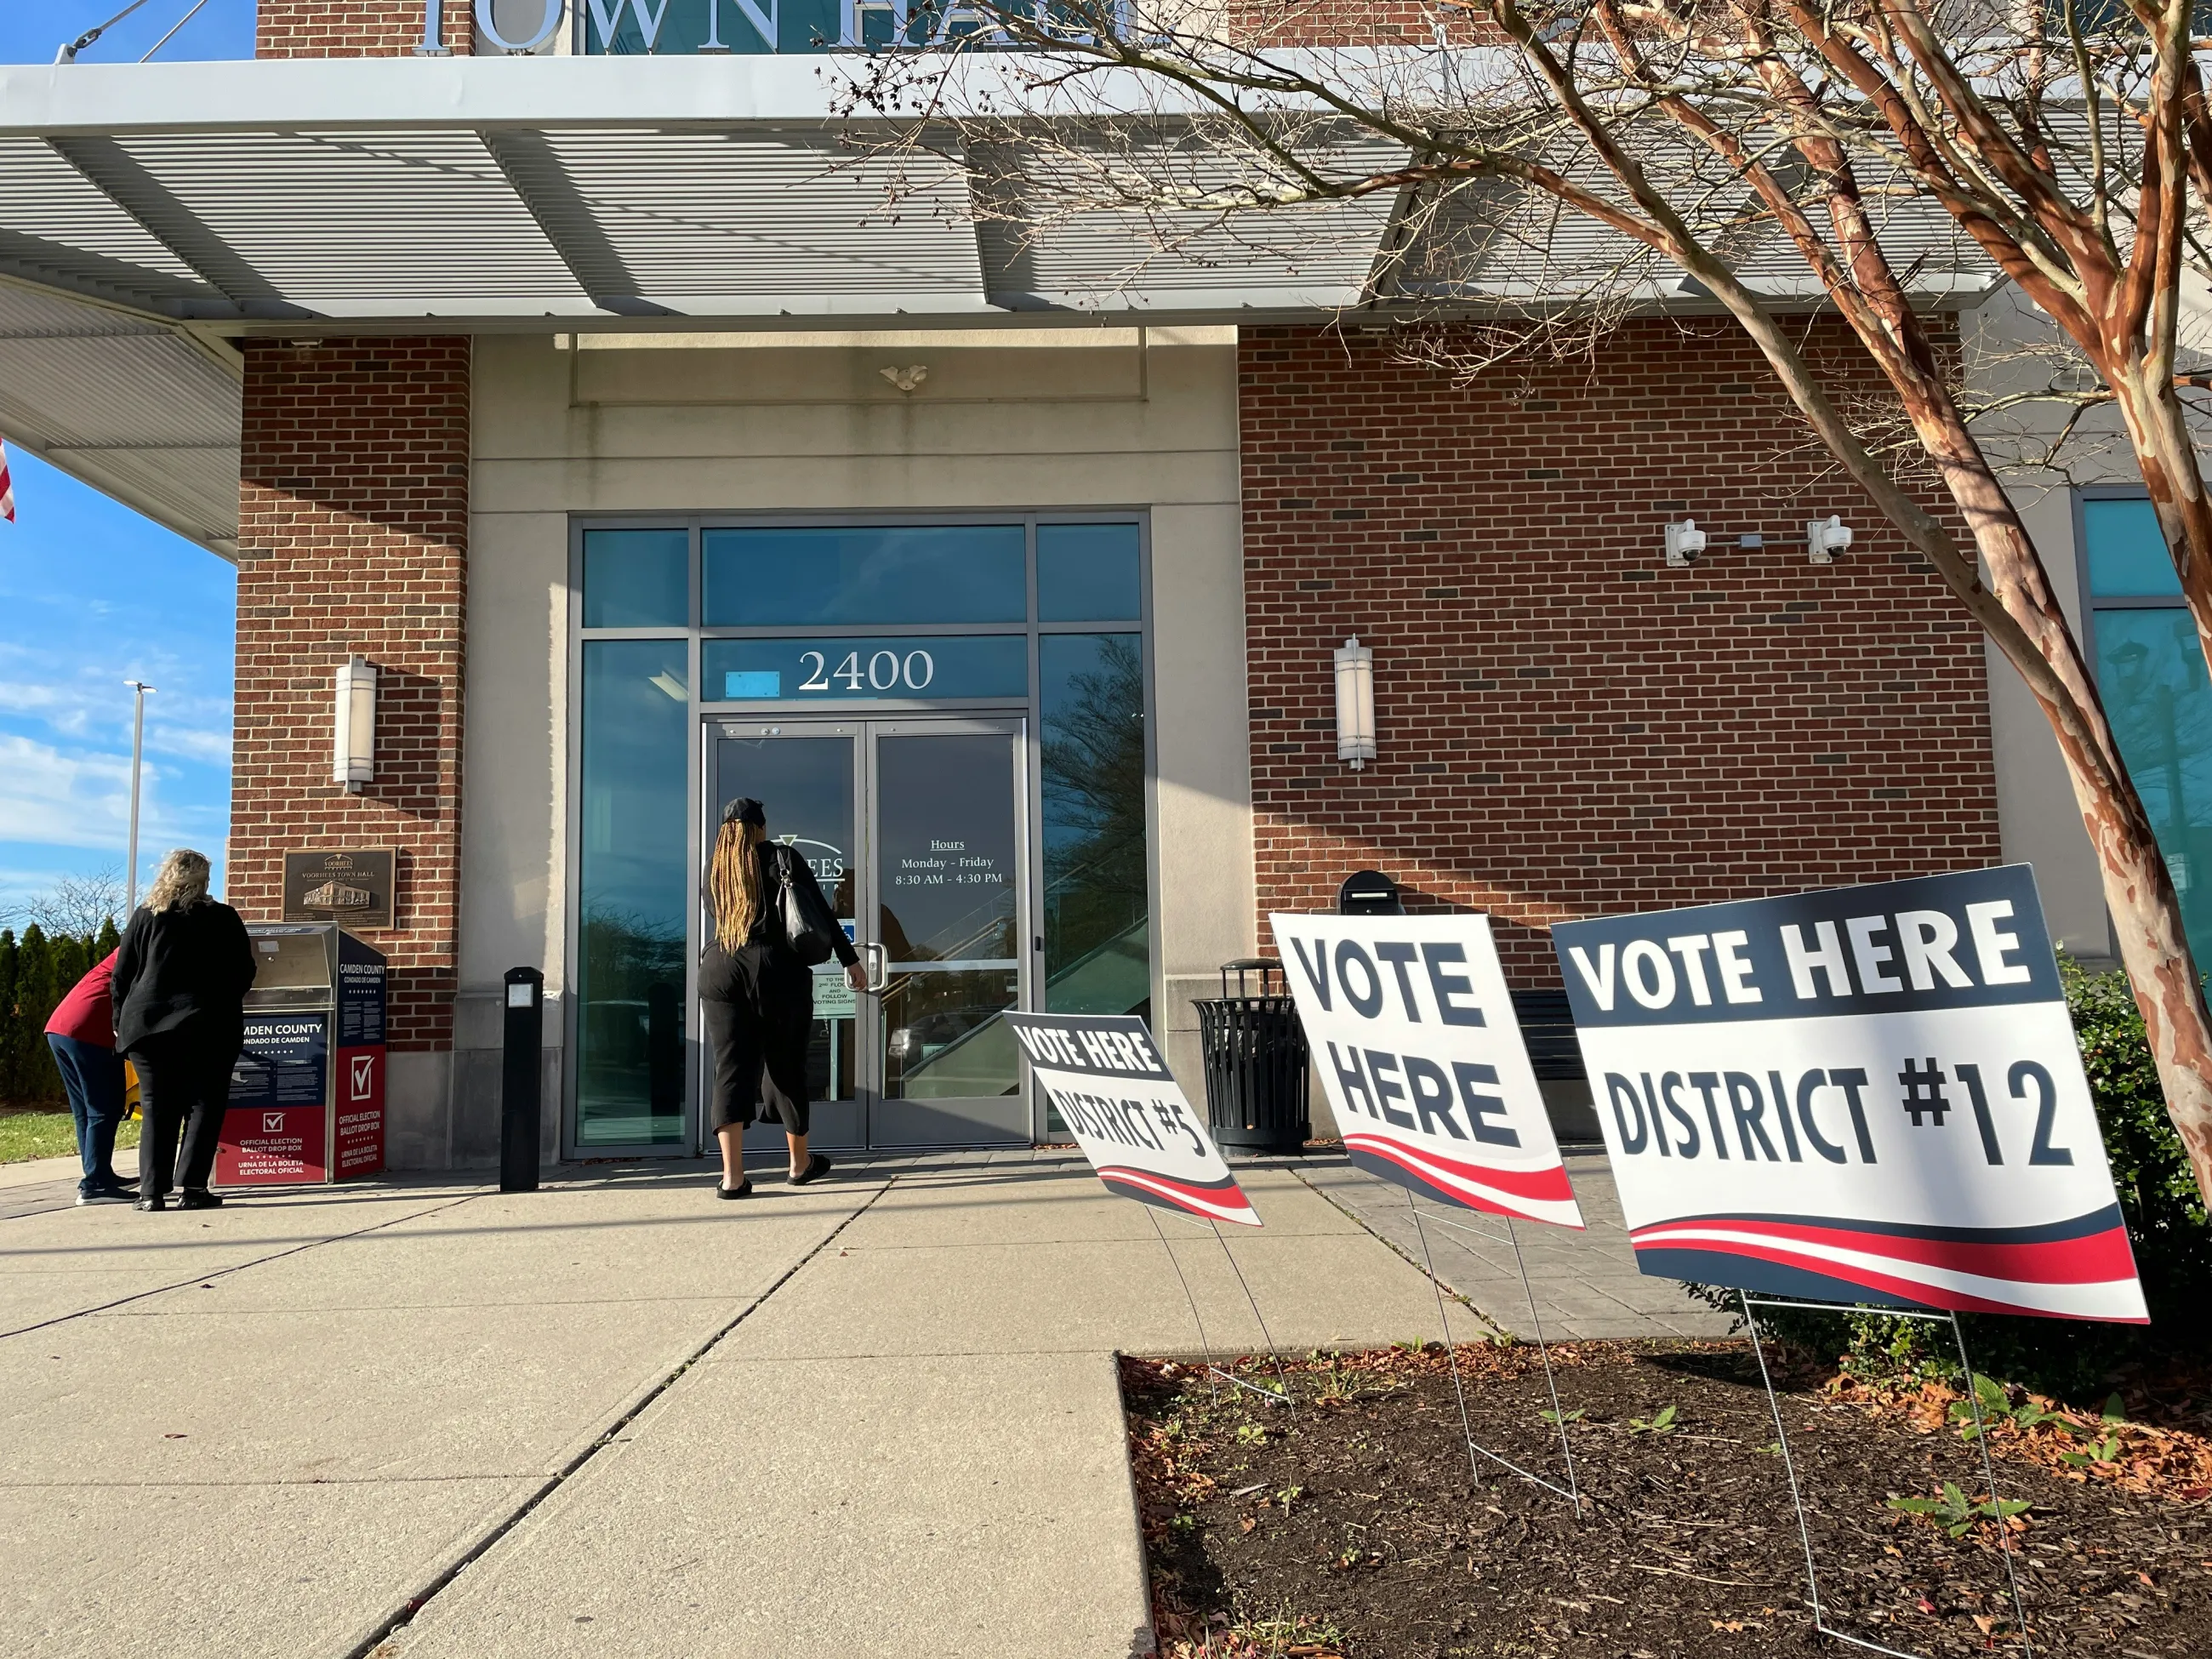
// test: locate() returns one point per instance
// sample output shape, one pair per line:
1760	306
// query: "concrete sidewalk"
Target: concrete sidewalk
1584	1284
876	1416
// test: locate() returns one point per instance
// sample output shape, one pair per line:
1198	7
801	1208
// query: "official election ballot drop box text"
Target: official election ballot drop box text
307	1096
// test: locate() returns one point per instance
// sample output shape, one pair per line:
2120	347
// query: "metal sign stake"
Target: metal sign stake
1570	1491
1989	1474
1213	1370
1820	1624
1544	1352
1451	1351
1281	1380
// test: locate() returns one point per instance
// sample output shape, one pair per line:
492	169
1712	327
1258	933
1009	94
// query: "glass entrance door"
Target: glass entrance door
914	828
808	777
945	854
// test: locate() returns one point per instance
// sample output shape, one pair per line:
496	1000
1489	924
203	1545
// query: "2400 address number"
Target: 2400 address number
886	670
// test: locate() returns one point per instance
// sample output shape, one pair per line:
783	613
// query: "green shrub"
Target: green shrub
36	972
2165	1219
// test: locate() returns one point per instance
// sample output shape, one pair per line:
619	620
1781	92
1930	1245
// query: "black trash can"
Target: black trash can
1255	1062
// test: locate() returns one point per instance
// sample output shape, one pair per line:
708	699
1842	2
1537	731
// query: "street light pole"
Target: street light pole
139	689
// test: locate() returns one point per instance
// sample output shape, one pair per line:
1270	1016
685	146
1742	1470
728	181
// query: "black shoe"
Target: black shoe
743	1189
104	1195
817	1167
156	1202
198	1198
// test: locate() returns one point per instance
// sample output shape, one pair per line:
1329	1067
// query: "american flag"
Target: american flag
7	488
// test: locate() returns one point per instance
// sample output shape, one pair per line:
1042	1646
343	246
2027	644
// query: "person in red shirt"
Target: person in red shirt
82	1034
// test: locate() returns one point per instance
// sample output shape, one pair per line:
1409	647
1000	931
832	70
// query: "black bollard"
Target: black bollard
518	1105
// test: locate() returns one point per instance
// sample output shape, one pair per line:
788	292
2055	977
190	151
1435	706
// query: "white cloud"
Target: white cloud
55	797
87	708
61	798
211	748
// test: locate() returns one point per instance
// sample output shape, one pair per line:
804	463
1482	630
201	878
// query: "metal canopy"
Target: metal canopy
146	211
140	411
527	191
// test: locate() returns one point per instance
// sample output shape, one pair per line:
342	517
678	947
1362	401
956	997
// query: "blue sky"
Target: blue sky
91	594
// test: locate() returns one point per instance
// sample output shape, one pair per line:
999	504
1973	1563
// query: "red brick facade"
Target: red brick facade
354	28
1566	725
353	532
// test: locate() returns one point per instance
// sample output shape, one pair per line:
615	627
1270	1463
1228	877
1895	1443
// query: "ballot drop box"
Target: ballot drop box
307	1096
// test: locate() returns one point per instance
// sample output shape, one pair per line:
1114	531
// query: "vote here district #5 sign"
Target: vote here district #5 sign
1868	1094
1105	1077
1414	1032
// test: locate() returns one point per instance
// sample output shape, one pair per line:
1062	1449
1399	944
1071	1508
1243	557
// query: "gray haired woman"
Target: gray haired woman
181	975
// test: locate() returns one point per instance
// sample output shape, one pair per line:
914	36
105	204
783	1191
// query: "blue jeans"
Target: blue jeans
94	1077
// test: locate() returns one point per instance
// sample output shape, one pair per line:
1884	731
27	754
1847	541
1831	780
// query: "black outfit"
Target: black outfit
758	1002
181	981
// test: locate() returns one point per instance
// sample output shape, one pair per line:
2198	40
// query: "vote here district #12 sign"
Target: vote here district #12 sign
1414	1032
1868	1094
1104	1075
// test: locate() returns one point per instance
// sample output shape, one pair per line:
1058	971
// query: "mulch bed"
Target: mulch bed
1354	1528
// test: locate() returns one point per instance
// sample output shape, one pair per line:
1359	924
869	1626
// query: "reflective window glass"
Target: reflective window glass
632	887
2127	552
849	669
847	575
1087	572
2150	669
1096	922
637	578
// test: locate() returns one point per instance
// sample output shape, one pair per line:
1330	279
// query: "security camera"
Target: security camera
1826	537
1684	542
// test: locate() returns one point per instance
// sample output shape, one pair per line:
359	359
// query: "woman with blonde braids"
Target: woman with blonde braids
756	993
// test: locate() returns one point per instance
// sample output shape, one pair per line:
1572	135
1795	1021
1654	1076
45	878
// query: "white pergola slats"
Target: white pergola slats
148	211
1041	254
742	222
135	408
50	200
360	224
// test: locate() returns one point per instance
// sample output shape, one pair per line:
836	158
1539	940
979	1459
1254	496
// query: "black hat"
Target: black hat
745	809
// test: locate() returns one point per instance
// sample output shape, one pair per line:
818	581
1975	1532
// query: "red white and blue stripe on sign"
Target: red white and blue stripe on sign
1209	1200
2066	1269
1540	1194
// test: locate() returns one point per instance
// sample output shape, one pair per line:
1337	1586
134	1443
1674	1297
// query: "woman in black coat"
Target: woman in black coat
756	994
181	976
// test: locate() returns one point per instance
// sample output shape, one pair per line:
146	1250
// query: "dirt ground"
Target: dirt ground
1354	1526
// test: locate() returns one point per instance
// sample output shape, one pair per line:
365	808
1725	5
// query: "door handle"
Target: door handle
879	960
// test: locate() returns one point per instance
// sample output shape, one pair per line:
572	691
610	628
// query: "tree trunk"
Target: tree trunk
2146	921
2139	891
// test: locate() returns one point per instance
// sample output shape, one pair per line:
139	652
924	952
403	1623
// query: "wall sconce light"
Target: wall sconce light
1685	541
352	758
1826	537
1355	703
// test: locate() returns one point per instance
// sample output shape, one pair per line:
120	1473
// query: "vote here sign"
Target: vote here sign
1868	1094
1413	1030
1119	1100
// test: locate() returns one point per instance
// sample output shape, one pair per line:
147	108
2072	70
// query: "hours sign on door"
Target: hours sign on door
1868	1094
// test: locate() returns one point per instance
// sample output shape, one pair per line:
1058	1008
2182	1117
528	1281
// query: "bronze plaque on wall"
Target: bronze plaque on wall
352	887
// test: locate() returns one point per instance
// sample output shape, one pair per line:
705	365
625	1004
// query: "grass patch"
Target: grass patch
32	1133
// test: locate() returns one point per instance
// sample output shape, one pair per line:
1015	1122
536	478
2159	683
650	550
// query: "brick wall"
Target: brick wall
1353	23
353	527
1567	727
352	28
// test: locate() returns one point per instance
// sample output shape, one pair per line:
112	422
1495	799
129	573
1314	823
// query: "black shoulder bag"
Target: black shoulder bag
808	924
